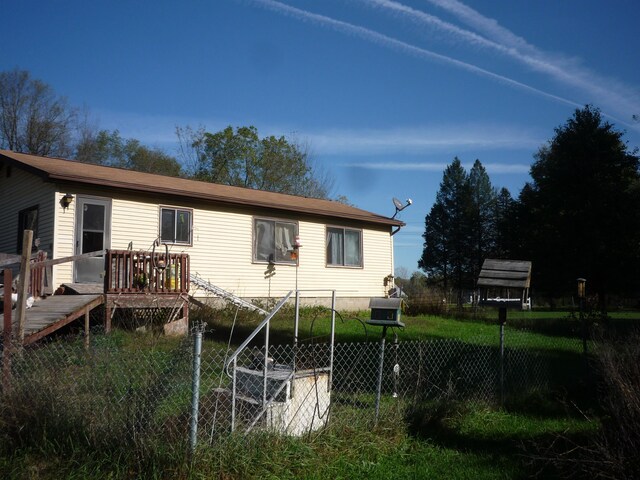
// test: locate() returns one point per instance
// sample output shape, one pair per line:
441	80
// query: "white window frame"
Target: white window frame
176	210
287	243
344	247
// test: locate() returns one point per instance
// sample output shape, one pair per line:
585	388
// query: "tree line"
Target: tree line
578	216
34	119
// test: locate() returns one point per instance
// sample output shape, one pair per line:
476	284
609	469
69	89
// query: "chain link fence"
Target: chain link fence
140	391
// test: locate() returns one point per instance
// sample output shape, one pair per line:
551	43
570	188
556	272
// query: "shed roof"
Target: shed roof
505	273
58	169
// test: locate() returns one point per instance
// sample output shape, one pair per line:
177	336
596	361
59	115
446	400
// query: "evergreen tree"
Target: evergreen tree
505	227
448	232
583	208
482	217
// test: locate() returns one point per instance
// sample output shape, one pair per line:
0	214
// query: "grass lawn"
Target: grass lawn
468	442
536	330
448	439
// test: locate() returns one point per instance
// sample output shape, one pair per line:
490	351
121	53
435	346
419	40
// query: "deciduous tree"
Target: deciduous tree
241	158
33	119
110	149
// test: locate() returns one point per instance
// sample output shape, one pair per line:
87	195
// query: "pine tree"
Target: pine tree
447	232
482	217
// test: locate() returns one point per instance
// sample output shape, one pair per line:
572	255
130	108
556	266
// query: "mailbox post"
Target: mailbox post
497	280
385	313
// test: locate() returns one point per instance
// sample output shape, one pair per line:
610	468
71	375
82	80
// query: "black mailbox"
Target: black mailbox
385	312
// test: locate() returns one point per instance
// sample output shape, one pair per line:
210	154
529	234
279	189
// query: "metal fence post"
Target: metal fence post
195	395
332	340
233	394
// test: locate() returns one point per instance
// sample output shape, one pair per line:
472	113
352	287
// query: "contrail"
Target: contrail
611	93
488	26
390	42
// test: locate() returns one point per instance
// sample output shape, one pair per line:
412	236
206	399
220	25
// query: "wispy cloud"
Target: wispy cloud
399	45
493	168
158	130
428	139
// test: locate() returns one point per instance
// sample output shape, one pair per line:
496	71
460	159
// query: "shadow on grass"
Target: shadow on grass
532	448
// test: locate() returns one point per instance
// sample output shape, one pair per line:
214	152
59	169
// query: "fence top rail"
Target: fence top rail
257	330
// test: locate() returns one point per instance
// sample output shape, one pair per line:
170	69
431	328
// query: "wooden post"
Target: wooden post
86	329
107	314
6	333
23	284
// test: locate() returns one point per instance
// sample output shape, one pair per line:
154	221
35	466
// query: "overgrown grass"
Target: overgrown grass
447	439
458	441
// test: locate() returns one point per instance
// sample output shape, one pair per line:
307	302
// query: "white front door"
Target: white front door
93	233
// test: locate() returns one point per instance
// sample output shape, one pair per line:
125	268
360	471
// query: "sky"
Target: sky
384	93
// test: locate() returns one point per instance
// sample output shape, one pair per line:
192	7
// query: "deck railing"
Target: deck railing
129	271
37	274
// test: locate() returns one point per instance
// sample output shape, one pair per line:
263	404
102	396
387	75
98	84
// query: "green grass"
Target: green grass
471	441
349	329
460	440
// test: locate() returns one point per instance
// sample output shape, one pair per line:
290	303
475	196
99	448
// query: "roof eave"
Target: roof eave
220	199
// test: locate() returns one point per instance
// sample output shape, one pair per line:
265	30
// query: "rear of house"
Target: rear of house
239	239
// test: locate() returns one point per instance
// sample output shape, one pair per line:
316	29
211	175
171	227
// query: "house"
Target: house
239	239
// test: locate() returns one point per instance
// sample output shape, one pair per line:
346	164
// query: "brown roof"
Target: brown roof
57	169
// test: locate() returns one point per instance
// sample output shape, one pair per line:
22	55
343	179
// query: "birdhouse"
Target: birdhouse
505	283
385	312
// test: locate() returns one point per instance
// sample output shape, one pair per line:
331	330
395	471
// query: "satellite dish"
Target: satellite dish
400	206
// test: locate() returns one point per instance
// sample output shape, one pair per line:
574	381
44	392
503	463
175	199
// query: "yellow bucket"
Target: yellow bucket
170	280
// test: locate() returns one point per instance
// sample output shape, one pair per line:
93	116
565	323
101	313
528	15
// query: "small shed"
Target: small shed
505	283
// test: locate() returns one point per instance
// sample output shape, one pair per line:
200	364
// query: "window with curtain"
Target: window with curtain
175	225
344	247
273	240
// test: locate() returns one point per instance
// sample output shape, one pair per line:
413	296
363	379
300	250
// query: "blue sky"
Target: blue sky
385	93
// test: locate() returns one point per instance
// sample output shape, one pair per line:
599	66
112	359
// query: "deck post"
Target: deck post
86	329
23	284
107	314
6	333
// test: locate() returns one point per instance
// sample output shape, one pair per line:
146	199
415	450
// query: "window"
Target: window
344	247
175	225
27	220
273	240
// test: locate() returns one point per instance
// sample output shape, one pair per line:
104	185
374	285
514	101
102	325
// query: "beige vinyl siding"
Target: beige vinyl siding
222	248
223	253
133	221
13	200
64	245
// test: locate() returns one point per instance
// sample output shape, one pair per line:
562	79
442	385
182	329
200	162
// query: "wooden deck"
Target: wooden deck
52	313
134	279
